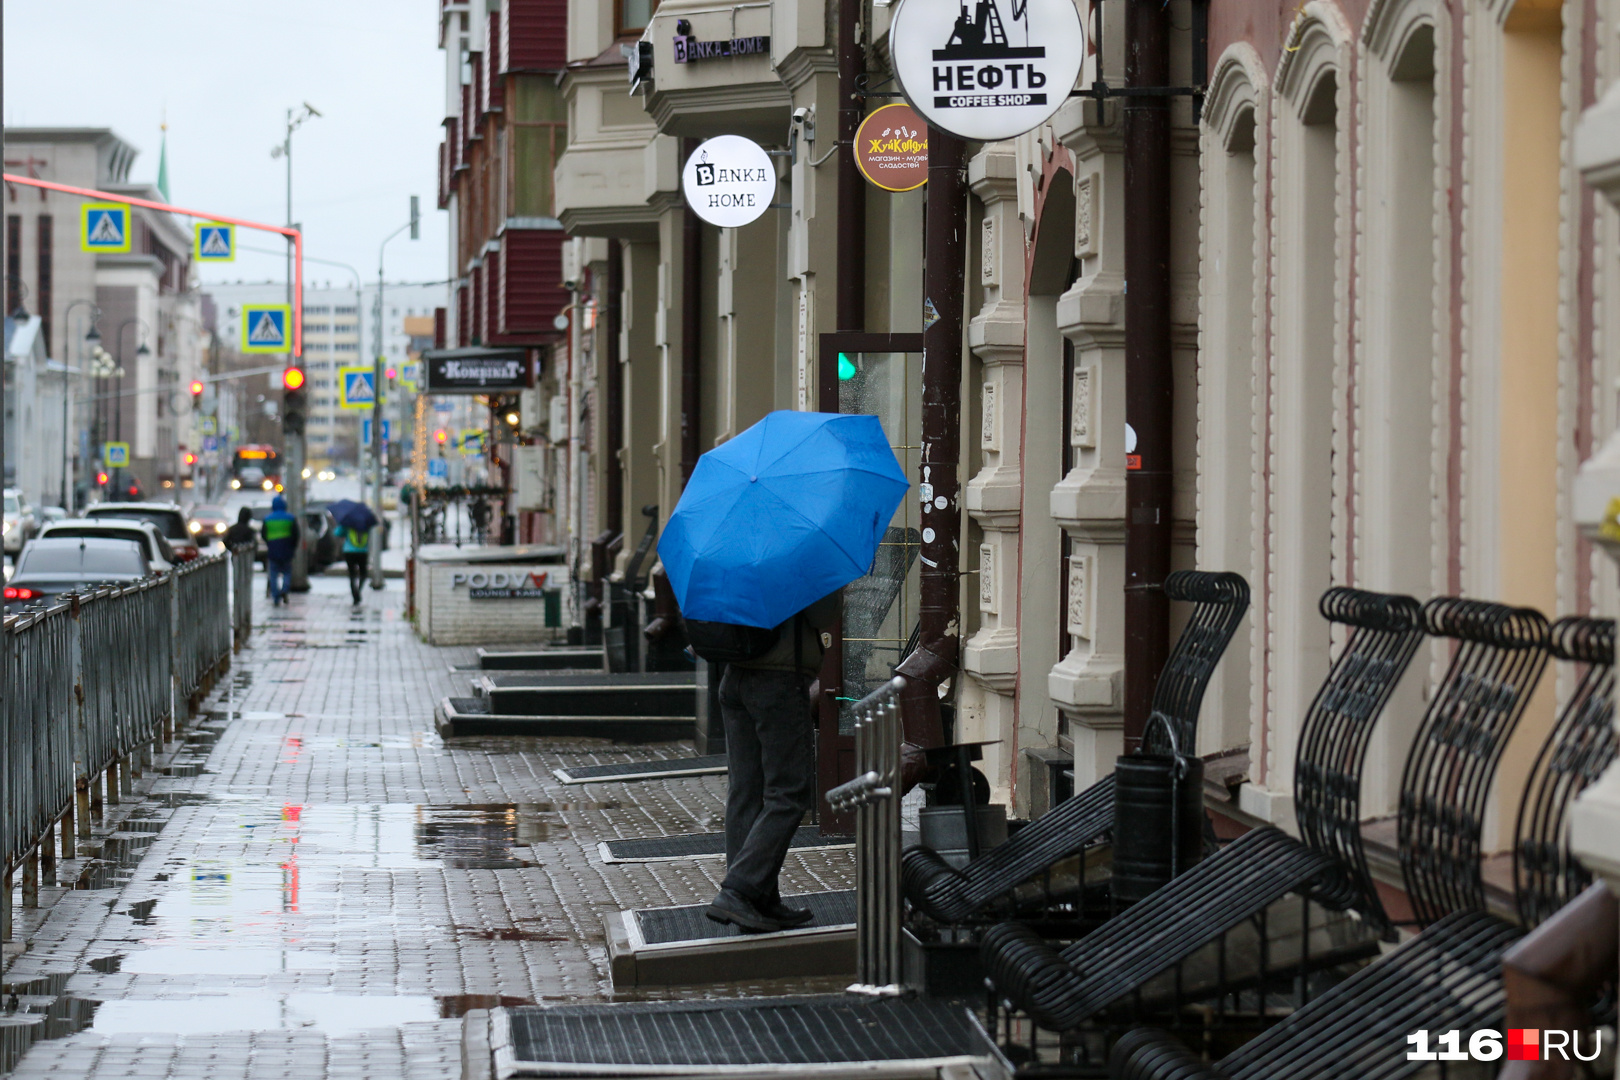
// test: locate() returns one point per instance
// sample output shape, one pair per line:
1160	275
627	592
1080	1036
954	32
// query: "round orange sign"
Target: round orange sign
891	148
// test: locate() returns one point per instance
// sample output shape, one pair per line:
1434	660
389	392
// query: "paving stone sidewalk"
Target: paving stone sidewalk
334	886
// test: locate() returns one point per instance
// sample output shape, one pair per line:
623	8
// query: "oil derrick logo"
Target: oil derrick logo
978	65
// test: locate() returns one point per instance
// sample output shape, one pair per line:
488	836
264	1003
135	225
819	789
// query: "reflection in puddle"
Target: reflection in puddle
180	960
334	1014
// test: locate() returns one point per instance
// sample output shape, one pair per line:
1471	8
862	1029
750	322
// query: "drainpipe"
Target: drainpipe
1148	371
851	220
691	311
613	393
945	247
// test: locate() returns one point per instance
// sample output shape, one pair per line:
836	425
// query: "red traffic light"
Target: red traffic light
102	478
196	388
191	459
293	378
440	436
391	374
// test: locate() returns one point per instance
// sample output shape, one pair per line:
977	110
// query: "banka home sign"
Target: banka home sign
689	50
729	181
981	76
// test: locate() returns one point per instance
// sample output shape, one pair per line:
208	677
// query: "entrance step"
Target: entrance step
458	717
702	845
666	769
560	659
679	946
540	694
829	1035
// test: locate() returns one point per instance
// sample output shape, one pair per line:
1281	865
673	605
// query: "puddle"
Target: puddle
507	933
221	960
334	1014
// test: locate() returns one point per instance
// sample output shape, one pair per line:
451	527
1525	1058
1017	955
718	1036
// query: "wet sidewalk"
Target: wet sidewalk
321	887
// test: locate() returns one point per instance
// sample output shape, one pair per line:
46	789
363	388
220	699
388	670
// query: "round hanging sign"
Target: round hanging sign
891	148
729	181
983	78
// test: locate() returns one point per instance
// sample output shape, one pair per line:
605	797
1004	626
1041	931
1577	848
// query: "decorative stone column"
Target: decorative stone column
1089	502
994	496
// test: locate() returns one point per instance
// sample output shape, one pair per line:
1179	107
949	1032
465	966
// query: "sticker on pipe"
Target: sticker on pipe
982	77
729	181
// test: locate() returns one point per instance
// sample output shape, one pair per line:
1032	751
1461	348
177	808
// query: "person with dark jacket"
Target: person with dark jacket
280	543
242	531
771	759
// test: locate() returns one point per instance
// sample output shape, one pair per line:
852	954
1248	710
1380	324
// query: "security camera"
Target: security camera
570	284
800	114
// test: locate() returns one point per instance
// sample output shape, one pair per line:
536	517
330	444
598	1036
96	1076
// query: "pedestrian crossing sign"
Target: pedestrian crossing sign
472	442
210	426
213	241
115	455
104	228
266	328
357	387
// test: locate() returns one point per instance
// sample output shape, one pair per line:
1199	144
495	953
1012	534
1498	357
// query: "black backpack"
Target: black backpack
730	643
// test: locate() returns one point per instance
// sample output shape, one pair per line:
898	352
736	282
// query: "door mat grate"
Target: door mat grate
667	925
792	1036
643	770
702	845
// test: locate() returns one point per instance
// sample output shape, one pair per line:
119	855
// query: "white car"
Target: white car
21	523
159	554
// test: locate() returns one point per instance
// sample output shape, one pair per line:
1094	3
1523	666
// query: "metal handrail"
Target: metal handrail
874	795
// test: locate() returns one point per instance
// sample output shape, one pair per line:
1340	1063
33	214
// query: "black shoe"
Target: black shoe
789	917
730	906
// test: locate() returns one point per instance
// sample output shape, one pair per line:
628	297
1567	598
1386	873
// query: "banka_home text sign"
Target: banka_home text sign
981	77
450	374
501	584
729	181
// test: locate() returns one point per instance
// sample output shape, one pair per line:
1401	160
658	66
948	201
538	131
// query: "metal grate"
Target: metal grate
794	1034
643	770
661	926
698	845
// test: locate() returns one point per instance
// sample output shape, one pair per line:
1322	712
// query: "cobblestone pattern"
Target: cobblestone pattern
342	884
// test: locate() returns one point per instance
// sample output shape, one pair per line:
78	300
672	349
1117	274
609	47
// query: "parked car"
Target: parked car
51	566
21	523
48	514
159	553
321	534
169	518
208	524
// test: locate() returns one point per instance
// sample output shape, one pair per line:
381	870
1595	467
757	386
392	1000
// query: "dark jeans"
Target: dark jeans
770	753
357	571
280	574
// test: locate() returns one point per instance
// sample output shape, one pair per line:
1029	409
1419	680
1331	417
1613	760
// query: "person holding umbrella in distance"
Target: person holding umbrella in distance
770	526
355	520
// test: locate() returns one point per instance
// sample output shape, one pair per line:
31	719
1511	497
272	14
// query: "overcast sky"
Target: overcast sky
226	71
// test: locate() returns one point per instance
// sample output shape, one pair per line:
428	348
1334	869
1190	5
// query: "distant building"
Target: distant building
142	303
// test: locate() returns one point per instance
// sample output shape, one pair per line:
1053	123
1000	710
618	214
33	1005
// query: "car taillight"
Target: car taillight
187	552
22	592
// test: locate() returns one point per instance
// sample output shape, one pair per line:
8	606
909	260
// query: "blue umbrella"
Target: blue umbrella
352	515
780	516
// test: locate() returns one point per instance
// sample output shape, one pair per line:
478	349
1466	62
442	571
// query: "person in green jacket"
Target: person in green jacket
356	553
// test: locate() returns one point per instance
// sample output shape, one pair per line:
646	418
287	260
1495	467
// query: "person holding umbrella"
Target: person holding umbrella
770	526
355	521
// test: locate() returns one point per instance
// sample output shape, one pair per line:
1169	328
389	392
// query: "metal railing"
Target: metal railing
874	795
92	683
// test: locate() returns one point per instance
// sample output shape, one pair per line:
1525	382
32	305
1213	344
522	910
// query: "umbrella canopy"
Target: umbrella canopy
780	516
352	515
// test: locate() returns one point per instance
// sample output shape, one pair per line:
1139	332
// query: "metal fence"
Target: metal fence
92	682
874	795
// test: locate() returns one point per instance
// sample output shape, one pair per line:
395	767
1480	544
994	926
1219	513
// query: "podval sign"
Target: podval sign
982	78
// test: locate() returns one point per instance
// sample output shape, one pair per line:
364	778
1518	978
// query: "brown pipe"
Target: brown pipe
1553	976
851	220
691	311
1148	371
613	393
939	637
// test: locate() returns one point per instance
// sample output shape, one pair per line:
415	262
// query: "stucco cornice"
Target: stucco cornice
1390	24
1319	41
1239	83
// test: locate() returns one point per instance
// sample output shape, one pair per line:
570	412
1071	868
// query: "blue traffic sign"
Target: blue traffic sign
438	467
365	431
213	241
357	387
210	443
104	227
266	328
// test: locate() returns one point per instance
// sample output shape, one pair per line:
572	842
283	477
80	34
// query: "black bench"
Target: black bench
948	895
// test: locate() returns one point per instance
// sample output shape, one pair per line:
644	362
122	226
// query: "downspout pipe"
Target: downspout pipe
851	219
1148	369
613	394
939	619
691	341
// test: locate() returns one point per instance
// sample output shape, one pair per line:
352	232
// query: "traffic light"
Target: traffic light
101	479
191	459
196	389
295	402
441	436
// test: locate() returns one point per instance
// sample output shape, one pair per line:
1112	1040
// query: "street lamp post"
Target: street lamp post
294	440
92	340
414	225
141	353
